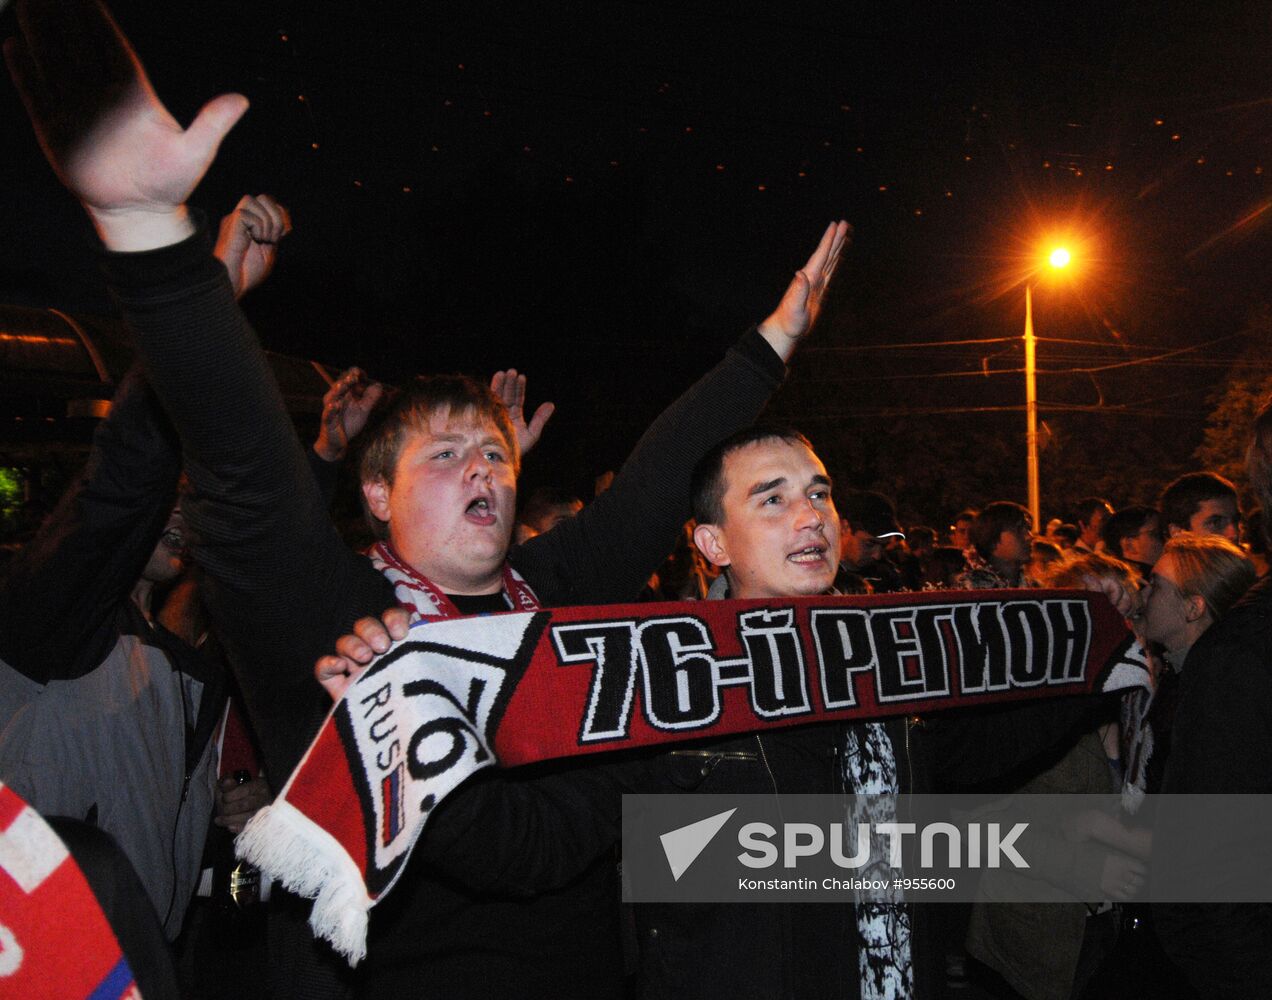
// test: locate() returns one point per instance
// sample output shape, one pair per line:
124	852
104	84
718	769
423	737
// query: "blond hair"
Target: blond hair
1212	568
1073	573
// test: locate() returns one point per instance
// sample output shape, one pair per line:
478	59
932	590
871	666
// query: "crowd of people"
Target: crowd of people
172	638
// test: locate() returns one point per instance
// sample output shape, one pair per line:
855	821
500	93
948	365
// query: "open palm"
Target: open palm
100	123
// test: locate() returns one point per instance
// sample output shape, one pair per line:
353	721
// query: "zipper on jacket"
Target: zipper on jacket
776	794
713	758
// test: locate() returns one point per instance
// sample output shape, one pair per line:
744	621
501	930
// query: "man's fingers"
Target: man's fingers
211	125
540	419
843	236
333	670
372	632
398	622
371	395
819	256
278	220
509	387
355	649
335	674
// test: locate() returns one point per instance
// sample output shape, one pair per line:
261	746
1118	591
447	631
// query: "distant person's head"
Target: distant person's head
867	525
922	540
1002	535
1066	536
1203	503
547	507
1043	555
1091	513
1135	533
959	527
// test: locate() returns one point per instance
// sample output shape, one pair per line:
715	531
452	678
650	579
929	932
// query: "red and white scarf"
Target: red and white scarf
421	597
460	694
55	942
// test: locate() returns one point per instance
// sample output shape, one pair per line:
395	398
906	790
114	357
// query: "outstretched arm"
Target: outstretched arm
281	585
105	132
606	554
60	595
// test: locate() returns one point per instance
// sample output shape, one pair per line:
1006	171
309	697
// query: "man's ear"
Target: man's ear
711	543
1195	608
376	493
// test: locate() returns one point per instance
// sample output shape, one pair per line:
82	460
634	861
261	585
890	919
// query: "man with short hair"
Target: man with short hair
1201	502
1091	514
544	510
959	528
1134	535
867	525
1001	548
766	517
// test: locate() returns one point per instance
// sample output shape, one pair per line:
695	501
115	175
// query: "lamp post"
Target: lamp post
1059	258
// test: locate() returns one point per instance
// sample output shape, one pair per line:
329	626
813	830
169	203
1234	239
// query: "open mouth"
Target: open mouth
480	511
811	555
174	539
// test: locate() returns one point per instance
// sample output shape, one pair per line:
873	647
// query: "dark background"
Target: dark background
605	194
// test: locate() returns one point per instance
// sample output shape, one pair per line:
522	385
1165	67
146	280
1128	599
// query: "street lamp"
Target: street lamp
1059	258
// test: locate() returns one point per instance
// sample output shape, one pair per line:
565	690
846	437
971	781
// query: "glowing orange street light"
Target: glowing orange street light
1058	258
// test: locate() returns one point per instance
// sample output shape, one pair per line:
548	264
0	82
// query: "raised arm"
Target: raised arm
60	595
281	585
606	553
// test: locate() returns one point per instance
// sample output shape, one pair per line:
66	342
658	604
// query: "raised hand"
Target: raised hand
370	638
511	388
797	312
248	241
105	132
1125	599
345	410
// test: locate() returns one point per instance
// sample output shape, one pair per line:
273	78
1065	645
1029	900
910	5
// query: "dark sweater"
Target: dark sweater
469	914
1221	743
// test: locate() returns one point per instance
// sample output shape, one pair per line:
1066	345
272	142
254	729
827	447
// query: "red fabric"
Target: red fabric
238	753
460	694
543	716
55	942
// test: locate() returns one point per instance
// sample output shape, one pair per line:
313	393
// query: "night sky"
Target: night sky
605	194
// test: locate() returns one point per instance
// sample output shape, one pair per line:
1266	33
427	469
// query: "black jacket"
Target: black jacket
1221	743
470	915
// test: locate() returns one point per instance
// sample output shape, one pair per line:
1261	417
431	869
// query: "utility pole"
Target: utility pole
1031	411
